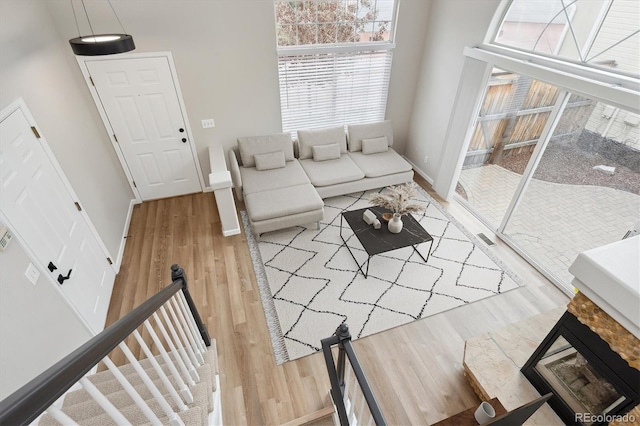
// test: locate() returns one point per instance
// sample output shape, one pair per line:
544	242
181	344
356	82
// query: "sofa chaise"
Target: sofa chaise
283	182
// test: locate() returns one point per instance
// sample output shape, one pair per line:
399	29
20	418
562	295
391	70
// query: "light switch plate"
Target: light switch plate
32	274
208	123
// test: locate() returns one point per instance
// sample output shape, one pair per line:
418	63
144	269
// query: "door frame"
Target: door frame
82	63
20	104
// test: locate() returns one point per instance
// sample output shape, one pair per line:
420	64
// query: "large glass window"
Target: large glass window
334	61
600	33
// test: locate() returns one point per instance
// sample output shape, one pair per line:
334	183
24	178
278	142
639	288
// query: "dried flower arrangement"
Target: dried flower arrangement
398	199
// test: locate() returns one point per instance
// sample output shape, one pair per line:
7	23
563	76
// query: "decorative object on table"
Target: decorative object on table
370	219
484	413
309	283
400	200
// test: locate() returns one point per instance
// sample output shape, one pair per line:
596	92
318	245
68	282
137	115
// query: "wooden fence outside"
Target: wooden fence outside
513	115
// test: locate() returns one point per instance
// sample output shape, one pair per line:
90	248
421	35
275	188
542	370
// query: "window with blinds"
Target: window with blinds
334	61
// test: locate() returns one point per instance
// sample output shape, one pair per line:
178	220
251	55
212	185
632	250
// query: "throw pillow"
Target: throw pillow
270	160
326	152
373	146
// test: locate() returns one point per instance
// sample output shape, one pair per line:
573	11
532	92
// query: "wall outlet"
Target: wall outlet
208	123
32	273
426	158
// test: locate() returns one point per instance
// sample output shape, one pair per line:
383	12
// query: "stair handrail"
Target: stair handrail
27	403
342	338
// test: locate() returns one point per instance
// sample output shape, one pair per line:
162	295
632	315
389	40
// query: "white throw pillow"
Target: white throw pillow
270	160
326	152
373	146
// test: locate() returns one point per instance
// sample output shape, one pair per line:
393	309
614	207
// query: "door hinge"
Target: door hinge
115	137
134	184
110	261
35	132
77	206
91	80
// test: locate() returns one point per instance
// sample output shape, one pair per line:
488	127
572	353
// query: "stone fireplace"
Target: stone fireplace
591	358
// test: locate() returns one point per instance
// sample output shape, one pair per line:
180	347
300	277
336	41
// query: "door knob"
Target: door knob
62	279
184	140
52	267
181	129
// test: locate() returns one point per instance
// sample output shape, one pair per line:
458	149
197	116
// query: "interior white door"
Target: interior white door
44	216
140	100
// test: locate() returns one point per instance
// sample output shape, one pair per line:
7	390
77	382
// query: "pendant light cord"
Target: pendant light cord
75	17
87	15
116	15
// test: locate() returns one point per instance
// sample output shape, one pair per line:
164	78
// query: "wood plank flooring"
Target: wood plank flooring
415	370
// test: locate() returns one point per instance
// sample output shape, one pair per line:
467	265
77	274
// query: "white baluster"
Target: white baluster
181	351
174	419
102	400
192	322
161	374
347	380
132	392
61	417
174	351
361	409
186	330
184	389
183	336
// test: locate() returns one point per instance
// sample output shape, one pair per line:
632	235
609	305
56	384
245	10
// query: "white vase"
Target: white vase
395	224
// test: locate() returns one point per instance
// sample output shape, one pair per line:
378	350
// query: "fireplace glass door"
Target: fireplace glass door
590	382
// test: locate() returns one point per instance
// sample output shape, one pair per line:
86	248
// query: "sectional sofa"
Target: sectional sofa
283	181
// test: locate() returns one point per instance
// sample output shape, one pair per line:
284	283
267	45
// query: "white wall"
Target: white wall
451	26
36	326
225	55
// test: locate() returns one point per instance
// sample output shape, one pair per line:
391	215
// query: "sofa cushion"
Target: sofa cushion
254	180
373	146
309	138
357	132
331	172
380	164
270	160
326	152
252	145
283	202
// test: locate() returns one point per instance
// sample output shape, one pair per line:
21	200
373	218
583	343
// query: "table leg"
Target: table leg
351	253
428	252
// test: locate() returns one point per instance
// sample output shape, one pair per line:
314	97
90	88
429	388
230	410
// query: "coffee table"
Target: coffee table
377	241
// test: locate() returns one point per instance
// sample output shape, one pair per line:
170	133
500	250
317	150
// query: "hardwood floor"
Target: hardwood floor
415	370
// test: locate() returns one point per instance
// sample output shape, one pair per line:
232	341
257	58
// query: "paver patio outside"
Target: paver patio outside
554	222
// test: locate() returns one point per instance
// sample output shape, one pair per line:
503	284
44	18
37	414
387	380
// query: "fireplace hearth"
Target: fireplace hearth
589	380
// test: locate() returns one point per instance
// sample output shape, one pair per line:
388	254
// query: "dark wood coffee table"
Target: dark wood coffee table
376	241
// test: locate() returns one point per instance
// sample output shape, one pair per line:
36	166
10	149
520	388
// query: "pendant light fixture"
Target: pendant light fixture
100	44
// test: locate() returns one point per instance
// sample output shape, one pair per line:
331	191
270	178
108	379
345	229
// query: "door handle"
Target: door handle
62	279
184	140
52	267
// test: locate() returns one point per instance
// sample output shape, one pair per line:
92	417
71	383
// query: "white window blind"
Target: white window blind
330	89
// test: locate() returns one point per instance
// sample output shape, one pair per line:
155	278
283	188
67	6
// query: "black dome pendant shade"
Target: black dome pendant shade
102	44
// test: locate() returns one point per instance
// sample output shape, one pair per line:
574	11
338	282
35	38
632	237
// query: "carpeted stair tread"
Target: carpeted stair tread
90	413
112	386
191	417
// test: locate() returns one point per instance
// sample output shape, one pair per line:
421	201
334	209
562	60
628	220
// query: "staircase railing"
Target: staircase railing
350	390
183	343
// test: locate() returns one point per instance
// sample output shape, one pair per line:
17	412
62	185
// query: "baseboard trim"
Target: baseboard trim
419	171
125	231
231	232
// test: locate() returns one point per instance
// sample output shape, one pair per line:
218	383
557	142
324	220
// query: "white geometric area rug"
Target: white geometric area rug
310	284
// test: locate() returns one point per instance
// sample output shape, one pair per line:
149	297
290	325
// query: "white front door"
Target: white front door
141	103
44	216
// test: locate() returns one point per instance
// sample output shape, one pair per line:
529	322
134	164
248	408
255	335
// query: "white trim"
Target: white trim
315	49
230	232
82	63
613	89
19	104
419	171
125	232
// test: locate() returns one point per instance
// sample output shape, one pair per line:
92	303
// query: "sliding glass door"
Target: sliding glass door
553	173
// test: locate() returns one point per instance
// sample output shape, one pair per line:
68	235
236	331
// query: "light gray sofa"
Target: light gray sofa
283	182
